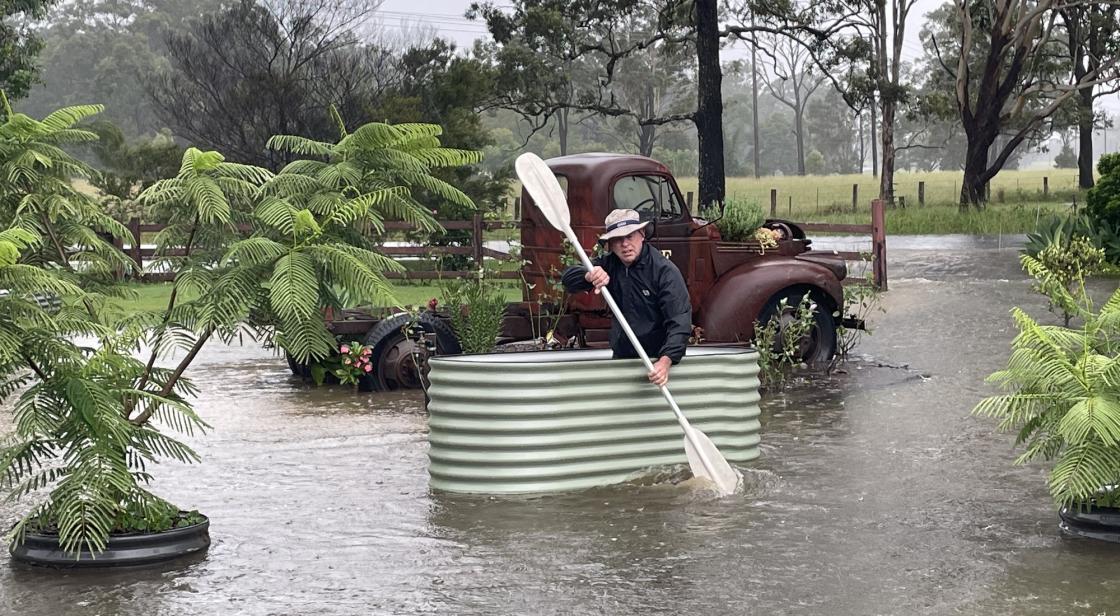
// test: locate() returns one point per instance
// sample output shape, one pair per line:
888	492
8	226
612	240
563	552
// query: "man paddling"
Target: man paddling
648	288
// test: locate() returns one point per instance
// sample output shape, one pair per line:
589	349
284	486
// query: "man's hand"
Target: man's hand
598	277
660	373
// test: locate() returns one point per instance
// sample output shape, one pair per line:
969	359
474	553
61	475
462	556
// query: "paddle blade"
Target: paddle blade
545	190
707	462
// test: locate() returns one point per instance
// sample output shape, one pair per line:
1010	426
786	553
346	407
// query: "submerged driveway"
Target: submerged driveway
876	493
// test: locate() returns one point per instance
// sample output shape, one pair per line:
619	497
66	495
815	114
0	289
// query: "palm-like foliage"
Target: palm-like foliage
247	250
1063	400
37	195
317	219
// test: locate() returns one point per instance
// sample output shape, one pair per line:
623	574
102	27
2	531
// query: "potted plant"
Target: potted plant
1063	391
249	251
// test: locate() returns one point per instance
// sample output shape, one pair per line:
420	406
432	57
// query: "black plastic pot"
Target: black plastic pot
121	551
1102	523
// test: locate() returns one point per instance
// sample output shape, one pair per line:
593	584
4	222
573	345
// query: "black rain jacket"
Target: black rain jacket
652	296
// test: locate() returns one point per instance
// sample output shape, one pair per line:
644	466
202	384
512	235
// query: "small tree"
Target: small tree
251	253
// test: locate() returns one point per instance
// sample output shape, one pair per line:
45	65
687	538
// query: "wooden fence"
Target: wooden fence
478	251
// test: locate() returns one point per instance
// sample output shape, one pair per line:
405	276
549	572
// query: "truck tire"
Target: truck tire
820	344
394	367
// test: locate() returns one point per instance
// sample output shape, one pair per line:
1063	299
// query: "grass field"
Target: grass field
1017	202
154	296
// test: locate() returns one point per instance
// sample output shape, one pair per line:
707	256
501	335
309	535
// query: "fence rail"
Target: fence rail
479	252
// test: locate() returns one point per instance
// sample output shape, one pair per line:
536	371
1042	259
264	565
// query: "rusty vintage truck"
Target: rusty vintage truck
732	284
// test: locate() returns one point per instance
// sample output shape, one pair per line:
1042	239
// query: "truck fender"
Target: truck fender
729	310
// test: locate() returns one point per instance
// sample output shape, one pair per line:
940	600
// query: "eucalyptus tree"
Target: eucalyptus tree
1092	35
792	82
1008	66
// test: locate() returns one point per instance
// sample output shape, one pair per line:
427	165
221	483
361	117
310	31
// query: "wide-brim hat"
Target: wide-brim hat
620	223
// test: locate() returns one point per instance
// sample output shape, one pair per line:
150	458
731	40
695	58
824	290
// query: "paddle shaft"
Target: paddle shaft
641	353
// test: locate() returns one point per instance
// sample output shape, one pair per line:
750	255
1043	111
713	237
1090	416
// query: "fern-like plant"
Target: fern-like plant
249	252
1063	395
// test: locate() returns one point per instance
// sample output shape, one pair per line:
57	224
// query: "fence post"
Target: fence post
879	244
517	208
855	197
688	201
134	249
774	202
476	230
1045	186
921	194
902	202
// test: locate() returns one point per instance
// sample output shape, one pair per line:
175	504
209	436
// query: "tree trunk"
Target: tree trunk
975	174
647	136
562	129
874	143
799	130
754	107
886	180
709	104
1085	138
862	143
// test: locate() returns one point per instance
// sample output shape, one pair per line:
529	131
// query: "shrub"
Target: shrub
741	218
1104	199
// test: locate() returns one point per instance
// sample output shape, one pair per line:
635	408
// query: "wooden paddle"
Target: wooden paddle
704	458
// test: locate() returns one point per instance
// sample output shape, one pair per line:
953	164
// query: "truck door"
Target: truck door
656	199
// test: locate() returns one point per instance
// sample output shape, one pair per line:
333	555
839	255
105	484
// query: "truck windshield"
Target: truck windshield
651	195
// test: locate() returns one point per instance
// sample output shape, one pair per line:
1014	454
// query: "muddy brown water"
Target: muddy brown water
876	493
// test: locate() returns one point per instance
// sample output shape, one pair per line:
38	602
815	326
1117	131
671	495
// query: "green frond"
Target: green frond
277	213
374	135
299	145
69	116
208	199
250	174
447	157
1095	417
71	136
439	187
294	292
292	184
254	251
1083	469
303	167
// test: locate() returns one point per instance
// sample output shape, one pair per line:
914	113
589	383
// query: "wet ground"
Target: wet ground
876	493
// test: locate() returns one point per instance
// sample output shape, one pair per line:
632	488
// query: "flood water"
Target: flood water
876	493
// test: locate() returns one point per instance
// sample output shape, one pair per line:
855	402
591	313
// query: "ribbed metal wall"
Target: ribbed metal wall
567	420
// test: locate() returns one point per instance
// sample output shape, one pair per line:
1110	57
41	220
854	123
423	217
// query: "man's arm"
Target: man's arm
676	310
574	278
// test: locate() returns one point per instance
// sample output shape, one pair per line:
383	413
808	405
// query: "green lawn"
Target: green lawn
154	296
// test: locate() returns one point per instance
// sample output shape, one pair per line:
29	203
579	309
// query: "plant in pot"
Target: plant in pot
90	412
1063	400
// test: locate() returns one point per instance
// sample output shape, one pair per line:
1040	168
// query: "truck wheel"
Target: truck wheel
819	345
399	358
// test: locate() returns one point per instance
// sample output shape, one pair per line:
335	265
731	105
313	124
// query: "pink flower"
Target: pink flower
432	304
344	349
346	360
368	368
366	351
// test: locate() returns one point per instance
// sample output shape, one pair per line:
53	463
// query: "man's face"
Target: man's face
628	247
